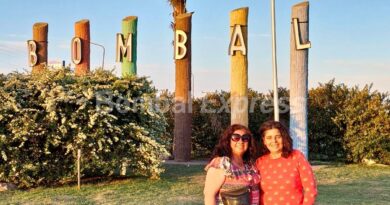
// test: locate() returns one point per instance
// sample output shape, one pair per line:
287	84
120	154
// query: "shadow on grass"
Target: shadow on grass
180	184
172	173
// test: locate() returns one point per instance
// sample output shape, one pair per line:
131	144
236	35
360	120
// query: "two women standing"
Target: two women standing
280	175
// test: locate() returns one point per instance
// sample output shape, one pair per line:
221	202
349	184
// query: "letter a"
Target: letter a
237	34
180	41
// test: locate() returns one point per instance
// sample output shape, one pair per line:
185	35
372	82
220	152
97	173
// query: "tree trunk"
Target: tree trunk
299	79
183	103
82	32
239	70
40	32
129	25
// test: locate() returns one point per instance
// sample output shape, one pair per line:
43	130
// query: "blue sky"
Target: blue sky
350	39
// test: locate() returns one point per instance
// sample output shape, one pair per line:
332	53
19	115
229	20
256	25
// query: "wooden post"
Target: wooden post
183	103
129	25
239	67
299	77
123	168
78	169
82	31
40	33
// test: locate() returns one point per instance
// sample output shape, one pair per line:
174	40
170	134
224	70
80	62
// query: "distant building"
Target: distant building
55	64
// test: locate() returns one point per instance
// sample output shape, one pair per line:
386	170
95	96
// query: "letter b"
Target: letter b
180	47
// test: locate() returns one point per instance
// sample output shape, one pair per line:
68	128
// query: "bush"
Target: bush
343	123
350	124
210	118
325	137
365	119
45	119
165	104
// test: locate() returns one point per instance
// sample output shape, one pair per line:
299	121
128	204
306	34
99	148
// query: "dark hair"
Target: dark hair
223	147
287	140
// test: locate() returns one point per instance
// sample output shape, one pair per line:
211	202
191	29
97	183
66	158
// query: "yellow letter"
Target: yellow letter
180	41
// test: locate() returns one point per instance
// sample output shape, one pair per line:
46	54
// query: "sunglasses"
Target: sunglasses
237	137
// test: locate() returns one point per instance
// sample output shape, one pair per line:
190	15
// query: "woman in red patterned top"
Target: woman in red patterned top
287	177
231	167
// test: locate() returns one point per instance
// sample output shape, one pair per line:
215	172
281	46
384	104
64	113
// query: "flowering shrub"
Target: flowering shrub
45	119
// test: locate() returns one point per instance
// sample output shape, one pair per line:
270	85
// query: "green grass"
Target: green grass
353	184
337	184
178	183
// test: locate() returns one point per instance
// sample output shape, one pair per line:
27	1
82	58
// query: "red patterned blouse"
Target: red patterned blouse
286	181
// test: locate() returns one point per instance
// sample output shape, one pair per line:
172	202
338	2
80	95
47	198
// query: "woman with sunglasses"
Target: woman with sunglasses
287	175
231	169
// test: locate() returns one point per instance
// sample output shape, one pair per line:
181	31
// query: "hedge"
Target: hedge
344	123
45	119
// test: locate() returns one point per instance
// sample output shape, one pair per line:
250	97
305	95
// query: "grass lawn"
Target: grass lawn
337	184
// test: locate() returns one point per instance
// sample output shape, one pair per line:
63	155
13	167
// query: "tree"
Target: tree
365	120
178	6
183	102
299	60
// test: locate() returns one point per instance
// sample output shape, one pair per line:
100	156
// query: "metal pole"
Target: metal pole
274	64
78	168
104	51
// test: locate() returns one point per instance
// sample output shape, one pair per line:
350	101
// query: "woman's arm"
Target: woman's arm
308	181
214	180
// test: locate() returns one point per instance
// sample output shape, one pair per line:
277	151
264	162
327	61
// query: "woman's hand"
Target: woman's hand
214	180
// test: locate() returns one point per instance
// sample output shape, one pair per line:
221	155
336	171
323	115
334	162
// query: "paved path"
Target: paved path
203	162
192	162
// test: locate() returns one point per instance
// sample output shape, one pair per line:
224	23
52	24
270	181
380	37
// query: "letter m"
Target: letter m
123	49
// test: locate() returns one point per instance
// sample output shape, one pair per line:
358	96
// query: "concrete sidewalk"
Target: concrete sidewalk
192	162
204	162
